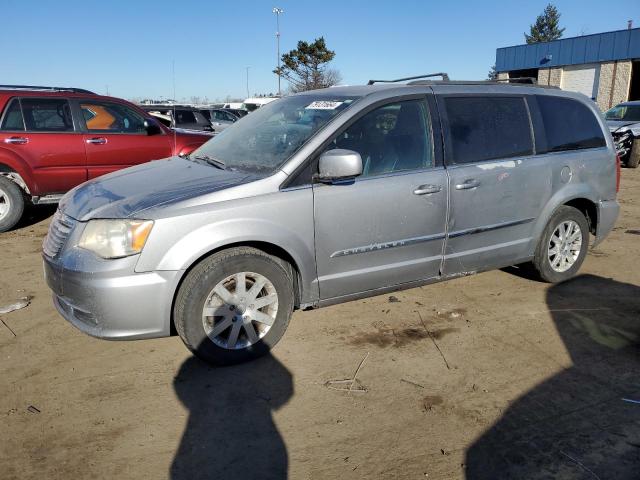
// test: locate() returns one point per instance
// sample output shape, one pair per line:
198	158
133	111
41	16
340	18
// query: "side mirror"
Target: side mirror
152	128
339	164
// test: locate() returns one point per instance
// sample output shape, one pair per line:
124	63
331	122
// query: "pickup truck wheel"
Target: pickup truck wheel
234	305
634	156
563	245
11	204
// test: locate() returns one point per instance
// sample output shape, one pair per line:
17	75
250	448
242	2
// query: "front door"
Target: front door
497	187
41	132
386	227
116	137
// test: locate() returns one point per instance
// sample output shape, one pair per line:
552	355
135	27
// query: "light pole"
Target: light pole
278	11
248	82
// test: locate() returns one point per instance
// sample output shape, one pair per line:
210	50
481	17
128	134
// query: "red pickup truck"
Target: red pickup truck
52	139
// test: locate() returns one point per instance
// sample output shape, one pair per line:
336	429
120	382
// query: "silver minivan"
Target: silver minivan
328	196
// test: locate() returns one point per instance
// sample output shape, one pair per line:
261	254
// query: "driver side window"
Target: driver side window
392	138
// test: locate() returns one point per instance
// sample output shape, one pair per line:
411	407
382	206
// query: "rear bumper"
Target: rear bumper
608	211
115	305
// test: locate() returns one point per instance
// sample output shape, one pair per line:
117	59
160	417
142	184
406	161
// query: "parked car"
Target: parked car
52	139
184	119
253	103
624	123
238	112
219	118
328	196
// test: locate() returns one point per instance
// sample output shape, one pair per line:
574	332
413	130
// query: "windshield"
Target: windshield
630	113
265	139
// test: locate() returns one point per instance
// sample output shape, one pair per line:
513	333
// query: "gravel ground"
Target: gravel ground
490	376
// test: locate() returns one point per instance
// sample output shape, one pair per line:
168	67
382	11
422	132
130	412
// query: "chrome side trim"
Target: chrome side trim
47	199
383	246
489	228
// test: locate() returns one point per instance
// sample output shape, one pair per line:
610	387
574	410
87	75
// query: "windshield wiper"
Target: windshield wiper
211	161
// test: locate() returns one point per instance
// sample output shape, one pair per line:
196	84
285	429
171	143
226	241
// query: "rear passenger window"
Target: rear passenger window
47	115
486	128
568	125
13	117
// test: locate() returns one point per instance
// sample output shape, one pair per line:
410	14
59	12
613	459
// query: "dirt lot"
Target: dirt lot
491	376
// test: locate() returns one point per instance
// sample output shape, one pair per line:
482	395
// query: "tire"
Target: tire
11	204
542	262
634	156
230	309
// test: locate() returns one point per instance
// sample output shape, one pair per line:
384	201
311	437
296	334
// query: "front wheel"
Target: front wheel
234	305
563	245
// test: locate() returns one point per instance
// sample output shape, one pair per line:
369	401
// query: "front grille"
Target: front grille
61	226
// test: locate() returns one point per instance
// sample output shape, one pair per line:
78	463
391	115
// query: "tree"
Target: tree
492	75
305	68
547	26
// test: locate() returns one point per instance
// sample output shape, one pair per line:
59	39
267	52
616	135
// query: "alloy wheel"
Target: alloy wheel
240	310
5	204
564	246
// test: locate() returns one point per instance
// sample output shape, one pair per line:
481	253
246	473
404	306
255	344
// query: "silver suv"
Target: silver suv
329	196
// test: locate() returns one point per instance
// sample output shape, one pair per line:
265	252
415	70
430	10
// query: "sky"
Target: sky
131	48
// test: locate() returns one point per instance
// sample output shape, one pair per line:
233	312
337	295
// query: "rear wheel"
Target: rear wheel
234	305
563	245
11	204
634	156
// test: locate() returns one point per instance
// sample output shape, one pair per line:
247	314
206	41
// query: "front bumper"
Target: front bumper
115	304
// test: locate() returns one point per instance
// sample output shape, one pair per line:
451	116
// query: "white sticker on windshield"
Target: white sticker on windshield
323	105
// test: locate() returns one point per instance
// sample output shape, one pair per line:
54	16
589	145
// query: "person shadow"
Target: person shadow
583	422
230	432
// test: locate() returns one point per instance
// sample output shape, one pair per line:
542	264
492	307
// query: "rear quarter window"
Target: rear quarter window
486	128
567	124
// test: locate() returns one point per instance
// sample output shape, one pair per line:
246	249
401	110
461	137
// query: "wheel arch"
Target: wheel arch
13	167
267	247
577	196
588	208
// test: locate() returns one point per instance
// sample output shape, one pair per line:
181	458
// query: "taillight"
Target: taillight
617	173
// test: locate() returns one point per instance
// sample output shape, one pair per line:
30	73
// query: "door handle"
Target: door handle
427	189
16	140
97	140
468	184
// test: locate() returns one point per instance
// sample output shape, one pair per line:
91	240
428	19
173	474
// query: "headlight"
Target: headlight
635	129
115	238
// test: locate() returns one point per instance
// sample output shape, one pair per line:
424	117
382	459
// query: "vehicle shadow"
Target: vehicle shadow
576	424
34	214
230	433
524	270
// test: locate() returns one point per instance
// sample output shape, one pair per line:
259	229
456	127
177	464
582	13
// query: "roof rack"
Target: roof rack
445	77
516	82
45	89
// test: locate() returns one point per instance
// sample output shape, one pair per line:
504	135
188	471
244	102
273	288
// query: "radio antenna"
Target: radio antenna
173	76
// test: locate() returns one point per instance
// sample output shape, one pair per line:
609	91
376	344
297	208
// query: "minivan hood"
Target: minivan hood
129	192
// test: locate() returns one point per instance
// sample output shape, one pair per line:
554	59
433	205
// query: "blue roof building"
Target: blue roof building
604	66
